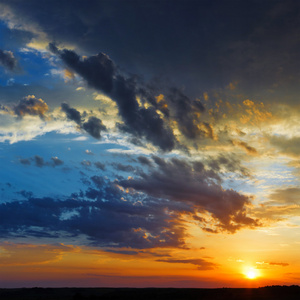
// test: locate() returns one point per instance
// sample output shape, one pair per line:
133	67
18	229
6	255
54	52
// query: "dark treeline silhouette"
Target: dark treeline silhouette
268	292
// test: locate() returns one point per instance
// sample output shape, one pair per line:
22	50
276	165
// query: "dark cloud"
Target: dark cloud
144	160
24	161
256	60
39	161
94	126
122	167
7	60
119	25
98	70
111	219
138	120
30	105
245	42
183	182
101	74
72	113
56	161
100	165
199	262
227	163
136	141
187	114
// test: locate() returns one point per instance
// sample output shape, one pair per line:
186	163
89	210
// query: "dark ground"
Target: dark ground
274	293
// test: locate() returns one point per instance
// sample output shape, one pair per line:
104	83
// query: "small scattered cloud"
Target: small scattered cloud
89	152
8	60
56	161
278	264
25	161
122	167
100	165
86	163
39	161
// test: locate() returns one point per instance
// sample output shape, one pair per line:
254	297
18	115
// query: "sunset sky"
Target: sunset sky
149	143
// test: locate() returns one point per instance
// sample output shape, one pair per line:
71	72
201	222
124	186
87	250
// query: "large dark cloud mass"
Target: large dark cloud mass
147	211
100	73
142	122
197	186
246	40
152	45
98	70
107	216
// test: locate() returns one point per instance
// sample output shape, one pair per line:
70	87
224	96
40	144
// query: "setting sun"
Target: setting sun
251	273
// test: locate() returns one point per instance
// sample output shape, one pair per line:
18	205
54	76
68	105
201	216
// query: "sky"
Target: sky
149	143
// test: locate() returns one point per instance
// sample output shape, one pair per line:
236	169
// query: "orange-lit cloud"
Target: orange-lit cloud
255	113
18	254
245	146
199	262
68	75
30	105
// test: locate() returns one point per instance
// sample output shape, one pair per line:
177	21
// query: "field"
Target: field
274	293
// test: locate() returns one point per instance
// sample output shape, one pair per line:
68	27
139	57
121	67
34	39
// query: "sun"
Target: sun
251	273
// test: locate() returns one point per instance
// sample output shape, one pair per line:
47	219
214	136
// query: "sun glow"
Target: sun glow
251	273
